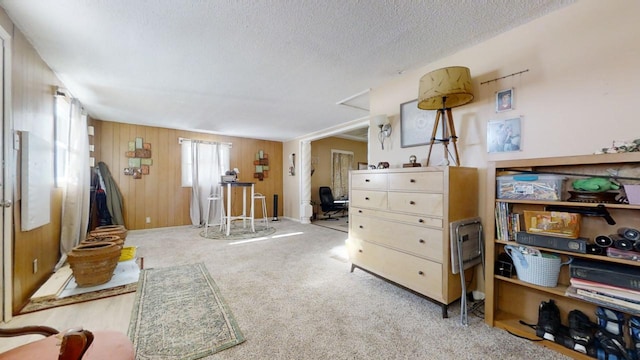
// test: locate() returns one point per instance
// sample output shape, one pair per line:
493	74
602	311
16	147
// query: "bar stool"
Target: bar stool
211	200
259	196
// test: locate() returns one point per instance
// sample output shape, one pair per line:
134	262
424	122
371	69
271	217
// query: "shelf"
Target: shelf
571	203
559	290
511	323
580	255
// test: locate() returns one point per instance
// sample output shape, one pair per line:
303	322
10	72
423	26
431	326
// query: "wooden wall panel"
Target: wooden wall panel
33	85
160	195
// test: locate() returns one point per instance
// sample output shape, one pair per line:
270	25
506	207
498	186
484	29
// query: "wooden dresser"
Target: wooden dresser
399	225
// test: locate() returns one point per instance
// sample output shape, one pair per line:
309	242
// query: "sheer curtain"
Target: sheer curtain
342	163
75	182
209	161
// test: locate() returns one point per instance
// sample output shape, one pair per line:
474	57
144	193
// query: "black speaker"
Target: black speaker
275	207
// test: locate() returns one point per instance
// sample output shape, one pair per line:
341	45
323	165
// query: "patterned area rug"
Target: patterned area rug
238	232
179	314
95	295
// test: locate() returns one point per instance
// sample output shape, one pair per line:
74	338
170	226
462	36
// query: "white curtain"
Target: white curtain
209	162
76	183
342	163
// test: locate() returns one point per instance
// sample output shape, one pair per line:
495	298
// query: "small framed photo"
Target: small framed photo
504	100
362	166
504	135
416	125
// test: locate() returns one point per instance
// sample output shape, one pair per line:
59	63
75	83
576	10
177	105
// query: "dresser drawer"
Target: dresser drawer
421	241
417	203
366	255
420	275
369	181
432	181
420	220
368	199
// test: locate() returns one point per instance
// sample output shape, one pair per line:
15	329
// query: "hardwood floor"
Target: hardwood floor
341	224
105	314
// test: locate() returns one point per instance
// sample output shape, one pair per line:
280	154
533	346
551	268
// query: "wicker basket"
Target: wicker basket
96	238
118	230
93	264
535	267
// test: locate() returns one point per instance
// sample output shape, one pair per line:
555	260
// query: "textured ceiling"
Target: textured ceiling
261	69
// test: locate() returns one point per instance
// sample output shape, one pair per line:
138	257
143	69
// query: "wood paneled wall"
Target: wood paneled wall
33	85
160	195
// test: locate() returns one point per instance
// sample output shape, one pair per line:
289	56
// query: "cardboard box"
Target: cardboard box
553	223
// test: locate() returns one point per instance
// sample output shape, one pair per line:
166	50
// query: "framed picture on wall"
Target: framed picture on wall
504	100
504	135
416	125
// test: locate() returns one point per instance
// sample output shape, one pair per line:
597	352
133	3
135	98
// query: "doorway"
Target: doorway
6	284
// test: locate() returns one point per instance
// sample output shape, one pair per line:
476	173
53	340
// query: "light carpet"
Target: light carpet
179	314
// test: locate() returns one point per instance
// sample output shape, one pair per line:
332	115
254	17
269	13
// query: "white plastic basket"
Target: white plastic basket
535	267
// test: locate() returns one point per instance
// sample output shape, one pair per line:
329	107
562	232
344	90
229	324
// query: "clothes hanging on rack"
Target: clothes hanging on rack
112	193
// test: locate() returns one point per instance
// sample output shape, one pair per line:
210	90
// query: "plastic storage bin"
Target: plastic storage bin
530	187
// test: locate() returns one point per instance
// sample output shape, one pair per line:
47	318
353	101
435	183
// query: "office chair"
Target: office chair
328	205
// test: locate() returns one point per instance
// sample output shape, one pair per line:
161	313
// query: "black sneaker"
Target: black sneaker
548	320
581	330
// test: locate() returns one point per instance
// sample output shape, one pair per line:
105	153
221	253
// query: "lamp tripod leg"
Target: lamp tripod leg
453	136
433	135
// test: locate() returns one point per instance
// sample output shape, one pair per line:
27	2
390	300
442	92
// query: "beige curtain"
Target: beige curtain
342	163
77	180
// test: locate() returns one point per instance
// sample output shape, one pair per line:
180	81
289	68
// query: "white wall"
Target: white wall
577	97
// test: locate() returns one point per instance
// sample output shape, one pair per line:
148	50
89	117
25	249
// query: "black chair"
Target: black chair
328	204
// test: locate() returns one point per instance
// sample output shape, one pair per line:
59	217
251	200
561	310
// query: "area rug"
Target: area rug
238	232
74	299
179	314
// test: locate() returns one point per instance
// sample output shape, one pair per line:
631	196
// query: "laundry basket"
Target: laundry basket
535	267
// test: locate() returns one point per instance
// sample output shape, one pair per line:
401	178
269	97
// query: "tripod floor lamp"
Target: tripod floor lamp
442	90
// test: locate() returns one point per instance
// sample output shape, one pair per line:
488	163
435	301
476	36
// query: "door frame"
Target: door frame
6	237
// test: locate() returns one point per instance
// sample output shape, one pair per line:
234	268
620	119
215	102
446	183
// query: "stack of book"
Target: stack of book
615	286
507	222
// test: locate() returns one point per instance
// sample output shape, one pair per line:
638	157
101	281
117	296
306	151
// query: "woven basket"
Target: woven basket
118	230
96	238
536	269
93	264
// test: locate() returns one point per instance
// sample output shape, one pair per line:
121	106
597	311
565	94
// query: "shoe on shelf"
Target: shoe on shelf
611	347
548	320
634	329
581	330
610	320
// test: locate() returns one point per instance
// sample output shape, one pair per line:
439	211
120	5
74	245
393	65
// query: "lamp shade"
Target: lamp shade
451	85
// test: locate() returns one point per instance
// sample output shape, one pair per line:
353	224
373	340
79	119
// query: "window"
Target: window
214	155
341	163
62	119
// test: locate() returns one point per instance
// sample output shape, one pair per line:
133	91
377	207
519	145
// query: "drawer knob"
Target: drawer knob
420	221
420	272
360	211
359	250
366	198
361	227
421	241
412	180
412	202
366	180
